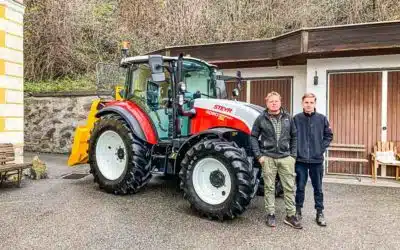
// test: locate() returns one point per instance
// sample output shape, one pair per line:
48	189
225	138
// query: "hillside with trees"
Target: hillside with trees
63	40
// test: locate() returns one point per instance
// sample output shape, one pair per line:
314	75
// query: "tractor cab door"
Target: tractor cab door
152	97
199	83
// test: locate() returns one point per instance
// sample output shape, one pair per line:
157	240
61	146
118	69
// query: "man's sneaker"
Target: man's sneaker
293	222
320	219
298	214
271	222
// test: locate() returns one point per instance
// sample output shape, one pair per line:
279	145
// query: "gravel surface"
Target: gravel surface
58	213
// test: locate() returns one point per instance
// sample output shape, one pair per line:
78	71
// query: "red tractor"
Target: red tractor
172	117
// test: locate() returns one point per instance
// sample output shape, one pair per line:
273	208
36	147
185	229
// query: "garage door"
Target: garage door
355	115
393	113
394	107
259	88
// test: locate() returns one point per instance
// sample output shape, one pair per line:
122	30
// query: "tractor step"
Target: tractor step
171	156
158	156
164	143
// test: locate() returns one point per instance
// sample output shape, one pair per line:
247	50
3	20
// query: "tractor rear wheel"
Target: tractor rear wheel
118	160
217	179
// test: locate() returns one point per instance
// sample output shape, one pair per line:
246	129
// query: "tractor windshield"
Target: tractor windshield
199	78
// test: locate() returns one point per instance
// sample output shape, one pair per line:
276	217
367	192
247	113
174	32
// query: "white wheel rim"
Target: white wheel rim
205	189
110	160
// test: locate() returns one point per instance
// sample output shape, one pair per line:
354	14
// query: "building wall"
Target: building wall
298	73
323	66
303	75
383	65
11	75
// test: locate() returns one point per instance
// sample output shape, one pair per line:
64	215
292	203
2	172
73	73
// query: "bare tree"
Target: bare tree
67	38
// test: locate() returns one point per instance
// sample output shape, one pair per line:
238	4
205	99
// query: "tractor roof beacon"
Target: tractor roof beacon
172	117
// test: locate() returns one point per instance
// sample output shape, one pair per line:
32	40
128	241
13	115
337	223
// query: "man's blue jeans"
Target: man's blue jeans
316	172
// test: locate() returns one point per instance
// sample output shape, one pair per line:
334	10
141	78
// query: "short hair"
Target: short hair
273	93
309	95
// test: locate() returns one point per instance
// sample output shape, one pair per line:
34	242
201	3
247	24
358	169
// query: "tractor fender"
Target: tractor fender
133	123
192	140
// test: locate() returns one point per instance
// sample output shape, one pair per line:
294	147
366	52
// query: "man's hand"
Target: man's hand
261	160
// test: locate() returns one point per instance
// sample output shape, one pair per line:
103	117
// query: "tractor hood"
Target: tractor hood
227	113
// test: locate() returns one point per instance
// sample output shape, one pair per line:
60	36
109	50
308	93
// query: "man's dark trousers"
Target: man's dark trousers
316	172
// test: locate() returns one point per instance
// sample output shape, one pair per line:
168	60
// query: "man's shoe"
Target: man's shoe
298	214
271	222
320	219
293	222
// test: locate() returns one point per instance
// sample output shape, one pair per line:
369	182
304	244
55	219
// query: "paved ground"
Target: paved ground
58	213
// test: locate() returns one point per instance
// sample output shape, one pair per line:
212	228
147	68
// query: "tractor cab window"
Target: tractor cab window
147	92
151	96
198	78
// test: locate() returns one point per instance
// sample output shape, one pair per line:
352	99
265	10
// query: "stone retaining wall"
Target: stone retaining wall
51	119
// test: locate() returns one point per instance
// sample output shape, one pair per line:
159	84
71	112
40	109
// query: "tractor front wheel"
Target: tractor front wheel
118	160
217	179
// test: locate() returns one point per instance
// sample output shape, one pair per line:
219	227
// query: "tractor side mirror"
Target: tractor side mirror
197	94
239	79
156	66
235	92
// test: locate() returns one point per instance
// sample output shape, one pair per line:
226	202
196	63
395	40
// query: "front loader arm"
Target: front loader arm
80	145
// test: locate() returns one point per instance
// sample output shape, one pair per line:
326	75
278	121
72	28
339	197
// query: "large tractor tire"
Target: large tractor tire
119	161
217	179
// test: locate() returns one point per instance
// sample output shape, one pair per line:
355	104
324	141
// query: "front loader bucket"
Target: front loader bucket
80	146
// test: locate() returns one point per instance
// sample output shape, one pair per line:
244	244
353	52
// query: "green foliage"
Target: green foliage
39	169
85	82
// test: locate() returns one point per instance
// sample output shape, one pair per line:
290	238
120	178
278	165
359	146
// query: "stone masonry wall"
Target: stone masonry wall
51	119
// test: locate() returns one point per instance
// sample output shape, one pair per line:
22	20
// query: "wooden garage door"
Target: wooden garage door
393	113
261	87
231	85
393	107
355	115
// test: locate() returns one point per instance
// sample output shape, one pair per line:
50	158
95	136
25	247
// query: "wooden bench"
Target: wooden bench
359	150
7	165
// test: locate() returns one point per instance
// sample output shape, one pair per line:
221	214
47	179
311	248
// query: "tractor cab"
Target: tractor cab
165	87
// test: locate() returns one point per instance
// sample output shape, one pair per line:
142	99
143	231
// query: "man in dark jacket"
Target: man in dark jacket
273	139
313	137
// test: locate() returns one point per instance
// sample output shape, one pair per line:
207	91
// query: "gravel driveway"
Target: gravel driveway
58	213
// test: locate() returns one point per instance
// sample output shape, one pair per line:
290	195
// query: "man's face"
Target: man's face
274	103
309	104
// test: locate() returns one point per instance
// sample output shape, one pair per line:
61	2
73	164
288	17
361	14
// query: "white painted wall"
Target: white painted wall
303	75
14	14
11	78
298	73
9	82
11	27
11	55
322	66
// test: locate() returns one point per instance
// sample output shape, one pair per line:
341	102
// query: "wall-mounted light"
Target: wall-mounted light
316	78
